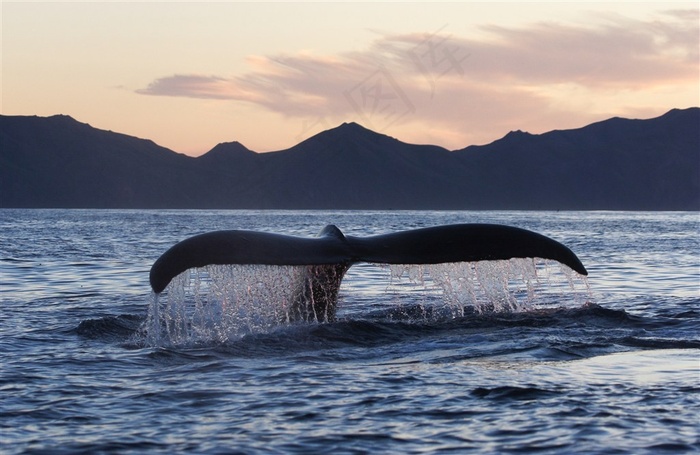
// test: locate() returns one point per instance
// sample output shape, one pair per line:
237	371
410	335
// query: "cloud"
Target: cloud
194	86
543	72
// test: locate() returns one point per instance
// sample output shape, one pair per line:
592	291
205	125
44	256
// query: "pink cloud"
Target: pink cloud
189	85
617	51
504	79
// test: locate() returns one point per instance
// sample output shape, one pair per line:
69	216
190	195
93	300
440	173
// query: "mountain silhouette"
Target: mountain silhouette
616	164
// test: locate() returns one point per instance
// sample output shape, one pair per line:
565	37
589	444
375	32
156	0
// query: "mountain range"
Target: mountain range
615	164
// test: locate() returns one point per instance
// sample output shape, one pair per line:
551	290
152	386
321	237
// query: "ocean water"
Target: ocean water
532	358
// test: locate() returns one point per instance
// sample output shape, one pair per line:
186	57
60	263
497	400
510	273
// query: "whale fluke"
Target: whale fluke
329	255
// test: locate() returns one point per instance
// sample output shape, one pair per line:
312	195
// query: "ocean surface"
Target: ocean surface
528	358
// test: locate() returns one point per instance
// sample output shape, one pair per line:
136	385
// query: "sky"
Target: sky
269	75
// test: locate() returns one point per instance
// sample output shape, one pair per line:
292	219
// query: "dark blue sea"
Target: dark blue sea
532	359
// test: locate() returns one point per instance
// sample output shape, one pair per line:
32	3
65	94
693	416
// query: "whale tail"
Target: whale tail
329	255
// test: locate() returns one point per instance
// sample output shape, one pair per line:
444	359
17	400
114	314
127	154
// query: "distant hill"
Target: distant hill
616	164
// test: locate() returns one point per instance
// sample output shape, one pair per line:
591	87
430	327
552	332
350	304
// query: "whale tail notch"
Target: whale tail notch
329	255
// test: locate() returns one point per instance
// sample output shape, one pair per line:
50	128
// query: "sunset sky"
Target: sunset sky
191	75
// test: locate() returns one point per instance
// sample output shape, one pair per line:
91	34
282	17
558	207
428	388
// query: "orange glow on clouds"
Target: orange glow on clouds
476	89
447	84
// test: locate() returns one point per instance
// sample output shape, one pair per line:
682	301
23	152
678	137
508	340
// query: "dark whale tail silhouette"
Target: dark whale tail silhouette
329	255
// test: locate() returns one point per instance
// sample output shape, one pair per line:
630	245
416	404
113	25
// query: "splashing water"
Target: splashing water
518	284
220	303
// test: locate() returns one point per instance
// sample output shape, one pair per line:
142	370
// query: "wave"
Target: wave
513	393
548	334
110	328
